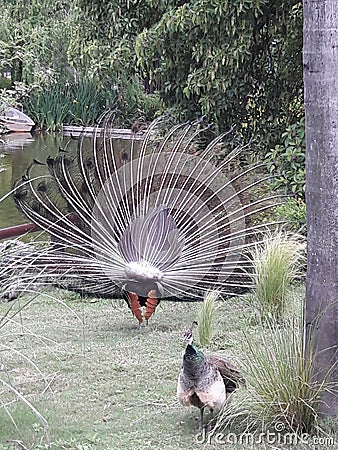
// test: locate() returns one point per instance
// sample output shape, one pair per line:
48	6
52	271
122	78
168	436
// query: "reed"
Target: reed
50	107
61	103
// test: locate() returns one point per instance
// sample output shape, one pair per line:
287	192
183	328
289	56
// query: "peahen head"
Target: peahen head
188	335
192	355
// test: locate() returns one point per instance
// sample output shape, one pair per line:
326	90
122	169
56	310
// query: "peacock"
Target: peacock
205	381
167	218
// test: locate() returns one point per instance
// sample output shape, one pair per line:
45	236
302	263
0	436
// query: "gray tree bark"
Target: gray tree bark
320	57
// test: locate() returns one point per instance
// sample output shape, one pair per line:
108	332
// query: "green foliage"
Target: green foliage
5	83
287	159
237	61
294	212
6	99
14	96
83	102
34	39
133	103
152	106
87	102
71	103
106	36
49	108
276	262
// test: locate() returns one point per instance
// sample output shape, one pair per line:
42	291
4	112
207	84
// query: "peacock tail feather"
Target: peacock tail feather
172	214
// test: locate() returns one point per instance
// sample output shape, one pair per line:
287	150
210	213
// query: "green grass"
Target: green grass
101	383
101	379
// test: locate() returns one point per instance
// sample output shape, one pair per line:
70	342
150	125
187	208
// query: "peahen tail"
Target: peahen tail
171	213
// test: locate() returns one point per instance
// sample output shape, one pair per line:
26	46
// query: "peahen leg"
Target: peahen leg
201	419
212	421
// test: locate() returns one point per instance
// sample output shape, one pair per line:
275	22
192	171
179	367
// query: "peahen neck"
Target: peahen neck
193	361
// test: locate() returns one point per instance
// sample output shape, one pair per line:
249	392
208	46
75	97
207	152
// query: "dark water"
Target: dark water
17	151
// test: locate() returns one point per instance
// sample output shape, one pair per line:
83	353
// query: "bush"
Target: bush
135	104
14	96
5	83
287	160
293	211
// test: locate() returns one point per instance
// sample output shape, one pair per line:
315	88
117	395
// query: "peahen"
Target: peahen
205	381
169	217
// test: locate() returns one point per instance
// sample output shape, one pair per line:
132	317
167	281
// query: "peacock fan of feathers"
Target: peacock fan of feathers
171	217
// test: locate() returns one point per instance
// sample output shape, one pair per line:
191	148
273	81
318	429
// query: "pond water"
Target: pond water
17	151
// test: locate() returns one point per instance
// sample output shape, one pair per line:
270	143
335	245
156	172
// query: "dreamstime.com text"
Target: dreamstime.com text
277	437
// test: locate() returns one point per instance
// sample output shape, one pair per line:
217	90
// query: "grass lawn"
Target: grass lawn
99	381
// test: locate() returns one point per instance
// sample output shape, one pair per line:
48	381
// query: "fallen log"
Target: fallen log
18	230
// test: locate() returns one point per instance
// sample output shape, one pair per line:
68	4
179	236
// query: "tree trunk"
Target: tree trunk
320	57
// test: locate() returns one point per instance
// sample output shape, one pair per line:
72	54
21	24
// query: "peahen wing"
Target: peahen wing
232	377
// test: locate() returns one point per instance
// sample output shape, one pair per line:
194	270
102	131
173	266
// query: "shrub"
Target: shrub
287	160
5	83
293	211
135	104
14	96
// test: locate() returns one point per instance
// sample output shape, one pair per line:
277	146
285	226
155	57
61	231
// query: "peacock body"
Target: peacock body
166	219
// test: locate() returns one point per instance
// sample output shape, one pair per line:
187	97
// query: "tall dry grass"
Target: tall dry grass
205	318
277	261
278	366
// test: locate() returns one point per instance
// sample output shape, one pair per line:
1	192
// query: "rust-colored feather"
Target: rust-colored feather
135	306
136	302
151	303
